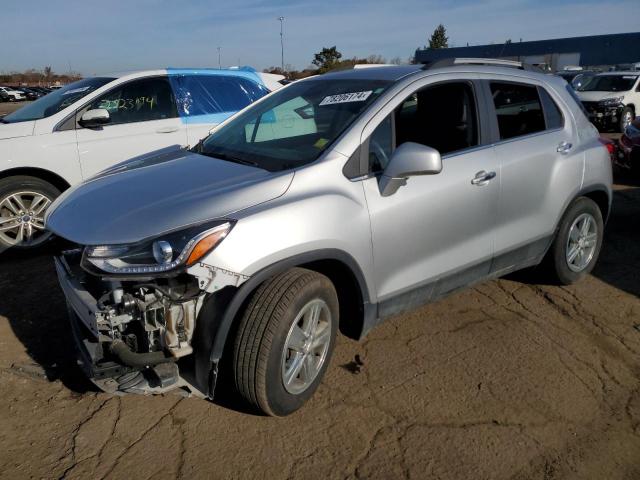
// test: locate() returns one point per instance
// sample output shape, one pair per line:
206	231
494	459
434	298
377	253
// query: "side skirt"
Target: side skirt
526	256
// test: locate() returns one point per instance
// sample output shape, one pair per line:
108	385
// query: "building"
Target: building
595	51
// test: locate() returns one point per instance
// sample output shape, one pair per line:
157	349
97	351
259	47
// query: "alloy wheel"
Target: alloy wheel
22	218
306	346
582	242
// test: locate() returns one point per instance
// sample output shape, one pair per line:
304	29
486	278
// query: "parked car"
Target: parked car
582	78
87	126
629	148
42	90
28	93
14	95
568	75
611	99
338	201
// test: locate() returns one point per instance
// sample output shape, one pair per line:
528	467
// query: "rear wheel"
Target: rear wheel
285	340
23	203
577	245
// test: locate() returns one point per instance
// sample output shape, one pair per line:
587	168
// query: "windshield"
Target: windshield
56	100
294	126
609	83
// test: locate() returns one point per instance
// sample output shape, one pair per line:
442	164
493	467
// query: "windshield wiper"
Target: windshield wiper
230	158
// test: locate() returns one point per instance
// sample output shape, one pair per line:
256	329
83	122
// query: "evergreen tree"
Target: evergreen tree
439	38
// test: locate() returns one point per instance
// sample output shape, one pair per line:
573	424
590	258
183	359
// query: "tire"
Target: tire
269	323
563	247
626	112
28	190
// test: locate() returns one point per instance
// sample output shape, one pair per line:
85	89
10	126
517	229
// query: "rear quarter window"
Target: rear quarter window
552	113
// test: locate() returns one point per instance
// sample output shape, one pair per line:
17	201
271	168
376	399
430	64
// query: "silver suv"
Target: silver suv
334	203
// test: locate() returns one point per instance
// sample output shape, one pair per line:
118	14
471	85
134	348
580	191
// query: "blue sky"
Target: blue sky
103	36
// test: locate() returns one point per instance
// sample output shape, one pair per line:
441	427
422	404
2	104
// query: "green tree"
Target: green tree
327	59
439	38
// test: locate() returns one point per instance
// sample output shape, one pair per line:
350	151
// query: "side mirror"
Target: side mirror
95	118
409	159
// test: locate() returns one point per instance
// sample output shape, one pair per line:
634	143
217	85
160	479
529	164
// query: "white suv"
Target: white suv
14	95
612	99
87	126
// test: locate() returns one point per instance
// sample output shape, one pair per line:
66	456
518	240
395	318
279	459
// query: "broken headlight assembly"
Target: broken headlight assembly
611	102
164	254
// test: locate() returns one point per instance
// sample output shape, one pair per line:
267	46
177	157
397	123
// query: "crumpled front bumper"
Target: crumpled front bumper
92	345
603	116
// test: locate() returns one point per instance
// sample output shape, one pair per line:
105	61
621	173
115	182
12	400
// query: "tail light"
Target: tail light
609	145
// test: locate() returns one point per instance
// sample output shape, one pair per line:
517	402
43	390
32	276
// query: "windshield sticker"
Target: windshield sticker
346	97
321	143
77	90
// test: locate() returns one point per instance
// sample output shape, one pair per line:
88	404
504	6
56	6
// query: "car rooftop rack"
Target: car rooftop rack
449	62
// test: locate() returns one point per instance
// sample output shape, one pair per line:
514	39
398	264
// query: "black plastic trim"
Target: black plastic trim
256	279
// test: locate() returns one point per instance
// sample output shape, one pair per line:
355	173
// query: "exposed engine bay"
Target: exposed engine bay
136	335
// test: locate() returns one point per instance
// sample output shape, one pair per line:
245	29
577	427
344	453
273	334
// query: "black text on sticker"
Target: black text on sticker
346	97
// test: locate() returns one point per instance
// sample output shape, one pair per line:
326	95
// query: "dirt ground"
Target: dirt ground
8	107
511	379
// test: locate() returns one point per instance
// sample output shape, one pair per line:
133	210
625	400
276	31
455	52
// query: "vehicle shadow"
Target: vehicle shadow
619	262
35	307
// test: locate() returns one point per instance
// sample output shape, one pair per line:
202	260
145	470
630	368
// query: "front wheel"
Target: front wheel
23	203
285	340
577	245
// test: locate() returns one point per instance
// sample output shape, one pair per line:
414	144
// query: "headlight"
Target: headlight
167	252
611	102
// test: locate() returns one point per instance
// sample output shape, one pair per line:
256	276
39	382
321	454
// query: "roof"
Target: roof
392	74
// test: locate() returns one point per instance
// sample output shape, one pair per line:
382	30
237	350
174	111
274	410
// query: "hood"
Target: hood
19	129
597	96
159	192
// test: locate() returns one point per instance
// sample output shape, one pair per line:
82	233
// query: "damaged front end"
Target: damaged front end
132	336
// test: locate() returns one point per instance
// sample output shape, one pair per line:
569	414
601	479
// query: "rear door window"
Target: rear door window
215	94
518	109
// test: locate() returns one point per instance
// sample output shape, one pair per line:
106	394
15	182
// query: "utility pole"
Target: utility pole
219	64
282	42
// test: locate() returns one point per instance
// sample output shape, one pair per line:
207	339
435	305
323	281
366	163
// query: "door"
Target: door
143	118
539	169
435	233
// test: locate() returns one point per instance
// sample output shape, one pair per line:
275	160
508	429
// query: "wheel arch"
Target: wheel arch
601	196
340	267
222	309
46	175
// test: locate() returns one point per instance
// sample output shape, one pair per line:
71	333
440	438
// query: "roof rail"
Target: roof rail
449	62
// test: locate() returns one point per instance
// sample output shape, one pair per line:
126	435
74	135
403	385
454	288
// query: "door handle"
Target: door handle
483	178
564	147
167	129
